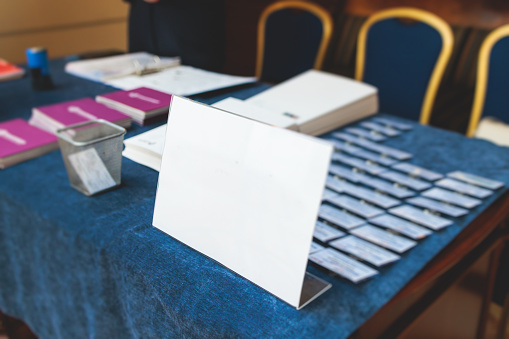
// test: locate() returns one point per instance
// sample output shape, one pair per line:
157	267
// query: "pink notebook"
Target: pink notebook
140	103
20	141
53	117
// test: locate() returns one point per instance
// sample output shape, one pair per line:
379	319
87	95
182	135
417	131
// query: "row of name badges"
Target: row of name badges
377	206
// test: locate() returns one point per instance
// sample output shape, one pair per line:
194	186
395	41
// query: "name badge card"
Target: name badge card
315	247
375	157
401	226
394	124
356	206
451	197
227	189
362	193
476	180
336	184
327	193
346	173
437	206
393	152
464	188
386	187
365	251
339	217
343	146
405	180
389	131
358	163
375	136
383	238
419	216
326	233
417	171
342	265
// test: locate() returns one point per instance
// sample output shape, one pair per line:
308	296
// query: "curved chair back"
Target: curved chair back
292	37
403	52
491	96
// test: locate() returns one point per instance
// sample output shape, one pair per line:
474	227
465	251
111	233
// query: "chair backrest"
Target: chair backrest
491	96
403	52
292	37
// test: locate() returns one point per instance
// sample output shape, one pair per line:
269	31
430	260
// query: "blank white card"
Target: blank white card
243	193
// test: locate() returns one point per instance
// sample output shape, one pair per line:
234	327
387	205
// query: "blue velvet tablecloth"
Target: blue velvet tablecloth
73	266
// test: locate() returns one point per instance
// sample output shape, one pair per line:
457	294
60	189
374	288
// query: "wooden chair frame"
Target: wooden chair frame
483	65
432	20
320	12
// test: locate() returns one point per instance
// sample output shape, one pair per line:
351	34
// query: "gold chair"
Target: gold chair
293	37
492	84
403	52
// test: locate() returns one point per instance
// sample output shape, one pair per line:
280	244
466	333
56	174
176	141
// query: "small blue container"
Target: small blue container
37	57
37	61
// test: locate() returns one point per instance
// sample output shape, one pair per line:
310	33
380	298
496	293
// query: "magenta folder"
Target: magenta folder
52	117
20	141
140	103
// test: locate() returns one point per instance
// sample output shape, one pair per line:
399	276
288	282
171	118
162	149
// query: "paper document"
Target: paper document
103	69
181	80
146	148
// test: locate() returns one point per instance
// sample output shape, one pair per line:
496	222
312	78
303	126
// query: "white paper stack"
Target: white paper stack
146	148
254	112
320	101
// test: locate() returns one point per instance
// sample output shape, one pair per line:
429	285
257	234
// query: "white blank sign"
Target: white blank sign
241	192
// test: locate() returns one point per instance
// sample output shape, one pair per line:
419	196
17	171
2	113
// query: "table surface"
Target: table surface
77	266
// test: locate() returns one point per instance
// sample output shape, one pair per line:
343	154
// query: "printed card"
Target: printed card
347	137
421	217
386	187
355	206
327	193
336	184
476	180
464	188
342	265
315	247
365	251
381	159
405	180
401	226
389	131
374	136
346	173
362	193
384	150
394	124
339	217
451	197
326	233
91	170
383	238
358	163
344	146
437	206
417	171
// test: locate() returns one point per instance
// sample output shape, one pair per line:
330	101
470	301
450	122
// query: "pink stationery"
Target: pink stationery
53	117
20	141
141	103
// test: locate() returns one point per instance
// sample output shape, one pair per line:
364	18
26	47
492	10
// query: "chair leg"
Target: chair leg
12	328
502	324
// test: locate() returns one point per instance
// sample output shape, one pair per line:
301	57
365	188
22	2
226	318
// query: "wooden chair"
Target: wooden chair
292	37
404	52
491	98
